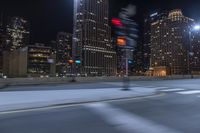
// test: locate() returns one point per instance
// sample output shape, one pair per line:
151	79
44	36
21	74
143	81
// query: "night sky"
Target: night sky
47	17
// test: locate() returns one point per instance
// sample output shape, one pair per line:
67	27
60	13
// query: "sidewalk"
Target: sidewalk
20	100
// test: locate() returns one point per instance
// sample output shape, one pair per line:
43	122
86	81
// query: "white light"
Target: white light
154	14
197	27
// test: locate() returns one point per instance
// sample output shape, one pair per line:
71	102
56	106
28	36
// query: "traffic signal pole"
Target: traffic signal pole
126	38
127	65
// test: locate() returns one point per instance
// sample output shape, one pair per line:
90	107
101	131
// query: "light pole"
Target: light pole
126	37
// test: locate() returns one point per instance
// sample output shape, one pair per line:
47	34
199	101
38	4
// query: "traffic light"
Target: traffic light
130	62
126	31
121	41
116	22
78	61
71	61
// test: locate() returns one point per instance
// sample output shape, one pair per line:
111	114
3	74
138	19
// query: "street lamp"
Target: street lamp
196	27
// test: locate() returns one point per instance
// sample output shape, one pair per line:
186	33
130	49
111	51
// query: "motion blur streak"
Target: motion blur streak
126	122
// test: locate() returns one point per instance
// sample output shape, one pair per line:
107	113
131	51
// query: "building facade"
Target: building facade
149	19
170	42
38	60
92	47
195	52
15	63
63	53
17	33
2	44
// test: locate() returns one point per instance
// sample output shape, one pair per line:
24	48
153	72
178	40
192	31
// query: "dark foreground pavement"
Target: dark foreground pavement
171	112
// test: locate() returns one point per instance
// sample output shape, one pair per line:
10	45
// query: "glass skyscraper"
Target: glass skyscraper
92	46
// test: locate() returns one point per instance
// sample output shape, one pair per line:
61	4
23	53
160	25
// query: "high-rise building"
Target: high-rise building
2	41
17	33
170	42
195	52
92	47
63	52
149	19
137	64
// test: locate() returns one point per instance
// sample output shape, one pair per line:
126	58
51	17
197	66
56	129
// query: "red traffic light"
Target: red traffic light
116	22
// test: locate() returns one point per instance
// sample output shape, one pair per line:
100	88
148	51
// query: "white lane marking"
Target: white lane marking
173	90
127	122
189	92
73	105
161	87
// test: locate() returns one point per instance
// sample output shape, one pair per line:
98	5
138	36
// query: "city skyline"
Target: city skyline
92	48
57	16
99	66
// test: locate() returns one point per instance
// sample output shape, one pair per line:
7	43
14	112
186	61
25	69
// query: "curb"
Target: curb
27	109
4	86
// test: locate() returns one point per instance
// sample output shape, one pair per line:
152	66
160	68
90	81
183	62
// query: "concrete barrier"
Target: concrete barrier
42	81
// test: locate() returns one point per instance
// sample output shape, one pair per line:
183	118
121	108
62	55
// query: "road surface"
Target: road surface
175	110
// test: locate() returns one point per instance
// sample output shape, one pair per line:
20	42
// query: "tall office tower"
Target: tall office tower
92	47
17	33
63	52
137	64
149	19
195	52
170	41
2	41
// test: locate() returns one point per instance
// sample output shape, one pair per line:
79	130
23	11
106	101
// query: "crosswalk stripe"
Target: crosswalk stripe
173	90
189	92
161	87
127	122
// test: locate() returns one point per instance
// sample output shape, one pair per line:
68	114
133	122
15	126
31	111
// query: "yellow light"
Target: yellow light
71	61
163	73
121	41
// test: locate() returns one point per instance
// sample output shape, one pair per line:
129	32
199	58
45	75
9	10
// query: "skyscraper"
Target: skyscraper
92	46
2	41
17	33
195	52
149	19
170	42
63	52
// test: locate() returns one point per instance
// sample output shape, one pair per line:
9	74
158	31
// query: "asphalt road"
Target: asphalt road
176	110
